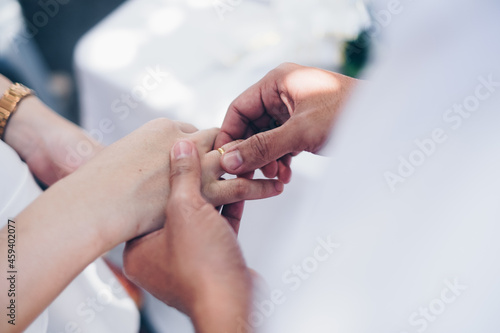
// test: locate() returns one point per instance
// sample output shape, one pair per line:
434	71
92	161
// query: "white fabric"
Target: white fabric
424	257
18	190
95	301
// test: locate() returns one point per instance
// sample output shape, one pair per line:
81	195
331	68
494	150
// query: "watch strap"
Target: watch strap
9	102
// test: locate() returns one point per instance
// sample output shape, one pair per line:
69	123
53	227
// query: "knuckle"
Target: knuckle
179	198
161	124
286	66
185	200
241	190
211	191
186	208
262	189
181	169
187	127
260	148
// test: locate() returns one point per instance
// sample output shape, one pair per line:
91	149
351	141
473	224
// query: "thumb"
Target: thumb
262	148
185	171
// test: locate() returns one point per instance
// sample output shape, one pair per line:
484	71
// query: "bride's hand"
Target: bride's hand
129	180
116	196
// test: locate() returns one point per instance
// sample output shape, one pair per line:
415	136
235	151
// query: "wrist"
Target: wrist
222	307
45	140
21	132
62	214
12	97
113	201
100	208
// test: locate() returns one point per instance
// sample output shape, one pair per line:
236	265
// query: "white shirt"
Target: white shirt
411	199
94	301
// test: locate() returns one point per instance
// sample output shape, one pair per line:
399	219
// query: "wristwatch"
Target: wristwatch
9	102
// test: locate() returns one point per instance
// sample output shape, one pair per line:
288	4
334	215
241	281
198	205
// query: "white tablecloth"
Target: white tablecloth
187	60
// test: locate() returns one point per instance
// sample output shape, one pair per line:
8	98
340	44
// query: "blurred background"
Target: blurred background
37	41
112	65
38	37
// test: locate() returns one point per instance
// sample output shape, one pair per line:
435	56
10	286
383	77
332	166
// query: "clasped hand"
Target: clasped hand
133	176
197	265
159	187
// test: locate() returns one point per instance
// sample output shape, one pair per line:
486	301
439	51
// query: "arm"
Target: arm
292	109
46	141
53	244
118	195
197	266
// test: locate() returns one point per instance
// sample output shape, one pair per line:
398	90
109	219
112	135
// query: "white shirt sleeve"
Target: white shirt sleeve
401	233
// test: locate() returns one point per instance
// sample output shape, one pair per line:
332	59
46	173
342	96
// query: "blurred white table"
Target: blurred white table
187	60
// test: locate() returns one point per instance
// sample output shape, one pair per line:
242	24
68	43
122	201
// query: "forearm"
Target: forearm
56	237
19	133
45	140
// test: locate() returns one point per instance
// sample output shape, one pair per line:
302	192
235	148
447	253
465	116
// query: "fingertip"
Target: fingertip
183	149
232	161
279	186
284	173
248	175
270	170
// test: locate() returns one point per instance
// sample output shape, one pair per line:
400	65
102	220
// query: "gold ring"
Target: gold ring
221	151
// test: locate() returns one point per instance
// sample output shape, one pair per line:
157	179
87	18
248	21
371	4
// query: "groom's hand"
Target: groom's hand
292	109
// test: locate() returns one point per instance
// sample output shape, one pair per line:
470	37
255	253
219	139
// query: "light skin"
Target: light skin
198	266
208	279
41	138
117	194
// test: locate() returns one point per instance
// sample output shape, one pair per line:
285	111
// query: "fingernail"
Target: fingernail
232	160
182	149
279	186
